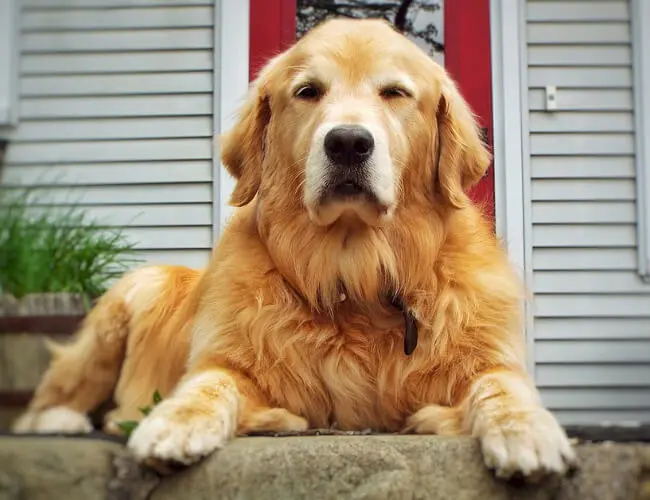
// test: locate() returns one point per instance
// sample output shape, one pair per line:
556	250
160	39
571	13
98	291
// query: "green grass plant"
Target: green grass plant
56	249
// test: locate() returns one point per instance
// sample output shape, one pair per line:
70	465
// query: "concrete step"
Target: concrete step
310	468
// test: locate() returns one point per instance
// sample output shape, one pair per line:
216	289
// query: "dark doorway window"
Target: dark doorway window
420	20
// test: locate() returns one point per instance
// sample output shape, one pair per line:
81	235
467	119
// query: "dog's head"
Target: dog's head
351	122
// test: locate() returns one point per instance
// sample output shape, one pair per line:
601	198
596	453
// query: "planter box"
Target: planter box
24	324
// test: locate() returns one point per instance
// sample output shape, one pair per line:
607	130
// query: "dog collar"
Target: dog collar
410	322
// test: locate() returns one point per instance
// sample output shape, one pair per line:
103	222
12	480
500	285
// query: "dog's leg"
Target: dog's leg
208	408
518	436
436	419
81	374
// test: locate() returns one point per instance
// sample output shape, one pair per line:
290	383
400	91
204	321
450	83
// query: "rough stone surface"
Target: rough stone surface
40	469
324	467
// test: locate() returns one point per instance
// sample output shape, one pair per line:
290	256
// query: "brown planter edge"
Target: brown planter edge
41	324
15	398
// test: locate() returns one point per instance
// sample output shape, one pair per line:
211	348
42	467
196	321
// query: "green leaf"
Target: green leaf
145	410
127	426
157	398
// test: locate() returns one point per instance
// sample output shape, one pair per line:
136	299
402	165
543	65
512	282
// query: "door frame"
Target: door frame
231	66
511	146
246	34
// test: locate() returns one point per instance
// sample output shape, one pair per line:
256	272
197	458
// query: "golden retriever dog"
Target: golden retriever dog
356	285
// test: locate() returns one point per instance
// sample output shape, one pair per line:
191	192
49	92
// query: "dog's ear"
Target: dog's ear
242	147
463	158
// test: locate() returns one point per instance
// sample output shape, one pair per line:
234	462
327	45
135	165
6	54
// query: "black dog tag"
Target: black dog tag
410	325
411	332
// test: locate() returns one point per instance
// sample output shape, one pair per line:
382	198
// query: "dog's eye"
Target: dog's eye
309	92
394	92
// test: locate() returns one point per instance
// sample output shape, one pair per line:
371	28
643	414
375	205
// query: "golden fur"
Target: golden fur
262	339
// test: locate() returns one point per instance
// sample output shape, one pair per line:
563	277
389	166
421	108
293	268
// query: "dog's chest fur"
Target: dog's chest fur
350	372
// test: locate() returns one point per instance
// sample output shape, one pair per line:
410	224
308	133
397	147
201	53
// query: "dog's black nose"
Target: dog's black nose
349	145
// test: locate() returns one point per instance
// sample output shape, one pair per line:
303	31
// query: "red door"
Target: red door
467	58
272	29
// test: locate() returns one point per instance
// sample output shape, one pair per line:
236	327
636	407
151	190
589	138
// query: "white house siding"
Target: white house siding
116	112
591	310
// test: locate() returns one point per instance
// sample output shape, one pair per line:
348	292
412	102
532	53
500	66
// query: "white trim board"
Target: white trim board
511	158
9	53
640	19
231	56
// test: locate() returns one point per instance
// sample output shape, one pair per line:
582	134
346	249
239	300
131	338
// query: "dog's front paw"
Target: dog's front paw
177	432
528	443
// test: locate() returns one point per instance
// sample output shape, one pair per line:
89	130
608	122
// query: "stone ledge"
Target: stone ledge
328	467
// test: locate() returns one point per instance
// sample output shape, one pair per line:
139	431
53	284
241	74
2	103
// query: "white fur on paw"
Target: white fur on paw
161	436
56	420
531	444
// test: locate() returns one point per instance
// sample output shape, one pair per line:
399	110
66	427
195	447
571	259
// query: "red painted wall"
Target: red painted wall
272	29
468	59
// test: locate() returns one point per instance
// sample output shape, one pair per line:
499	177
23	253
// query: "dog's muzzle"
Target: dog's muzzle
349	150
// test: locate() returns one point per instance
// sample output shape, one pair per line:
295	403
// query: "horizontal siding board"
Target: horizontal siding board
108	41
601	398
583	259
106	151
614	328
121	106
118	18
158	238
196	259
583	189
572	121
583	212
601	77
143	83
148	172
586	306
582	144
582	167
597	375
587	282
160	215
126	194
121	63
580	55
109	4
592	351
577	11
113	128
581	235
583	99
578	33
595	417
